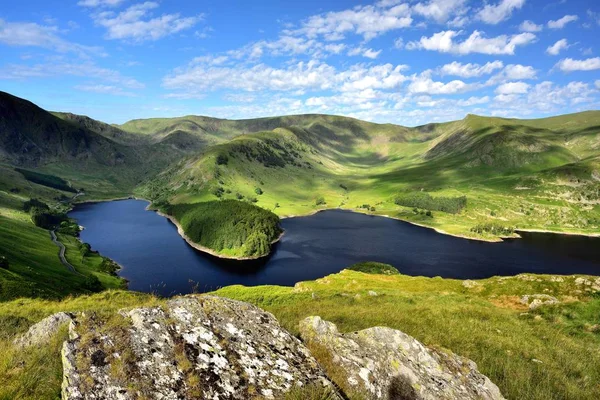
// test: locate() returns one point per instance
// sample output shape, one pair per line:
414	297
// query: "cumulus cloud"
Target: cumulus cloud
426	85
301	76
512	88
136	23
475	43
368	21
569	64
442	11
471	101
496	13
597	83
529	26
470	70
556	48
560	23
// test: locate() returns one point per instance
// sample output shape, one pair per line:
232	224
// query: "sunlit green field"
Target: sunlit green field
548	353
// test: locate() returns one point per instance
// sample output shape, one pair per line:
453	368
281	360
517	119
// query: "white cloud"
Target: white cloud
470	70
105	89
100	3
31	34
569	64
560	23
426	85
512	88
368	21
529	26
136	23
518	71
597	83
506	98
494	14
441	10
361	51
301	76
556	48
475	43
471	101
547	96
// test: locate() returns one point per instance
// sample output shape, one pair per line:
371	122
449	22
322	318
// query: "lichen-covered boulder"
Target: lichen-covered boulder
194	347
384	363
44	330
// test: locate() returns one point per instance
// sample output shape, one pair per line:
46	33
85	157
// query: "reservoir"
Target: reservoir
156	259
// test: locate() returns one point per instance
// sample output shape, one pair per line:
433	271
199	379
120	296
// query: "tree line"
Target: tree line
452	205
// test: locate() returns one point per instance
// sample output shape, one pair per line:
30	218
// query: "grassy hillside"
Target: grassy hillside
546	353
537	174
34	267
512	174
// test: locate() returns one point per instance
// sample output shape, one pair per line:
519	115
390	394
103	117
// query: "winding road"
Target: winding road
61	253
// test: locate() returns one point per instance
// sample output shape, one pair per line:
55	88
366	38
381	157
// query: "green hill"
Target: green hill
523	173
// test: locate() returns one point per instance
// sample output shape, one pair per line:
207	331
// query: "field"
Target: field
547	353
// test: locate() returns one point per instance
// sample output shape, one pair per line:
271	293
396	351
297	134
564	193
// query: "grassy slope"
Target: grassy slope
35	269
512	172
485	323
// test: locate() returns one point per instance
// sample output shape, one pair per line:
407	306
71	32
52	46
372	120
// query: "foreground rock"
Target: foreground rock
386	363
193	348
41	332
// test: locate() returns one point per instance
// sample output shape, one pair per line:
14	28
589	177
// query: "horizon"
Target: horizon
407	63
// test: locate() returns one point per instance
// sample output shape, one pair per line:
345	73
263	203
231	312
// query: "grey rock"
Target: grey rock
43	331
386	363
194	347
583	281
470	284
372	293
534	301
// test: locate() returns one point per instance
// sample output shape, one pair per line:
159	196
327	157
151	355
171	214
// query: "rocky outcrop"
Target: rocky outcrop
208	347
201	347
383	363
41	332
534	301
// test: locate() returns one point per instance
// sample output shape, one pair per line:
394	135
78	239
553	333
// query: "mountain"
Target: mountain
524	173
108	131
32	136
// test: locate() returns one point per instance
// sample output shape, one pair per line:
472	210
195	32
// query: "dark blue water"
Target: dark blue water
155	258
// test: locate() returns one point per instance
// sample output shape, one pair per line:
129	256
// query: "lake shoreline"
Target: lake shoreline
498	239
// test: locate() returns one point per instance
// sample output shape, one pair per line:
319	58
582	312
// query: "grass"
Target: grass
547	353
486	323
35	269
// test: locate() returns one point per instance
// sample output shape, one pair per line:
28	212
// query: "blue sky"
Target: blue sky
406	62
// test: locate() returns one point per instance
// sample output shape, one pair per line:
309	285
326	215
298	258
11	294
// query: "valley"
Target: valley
480	178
